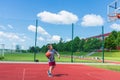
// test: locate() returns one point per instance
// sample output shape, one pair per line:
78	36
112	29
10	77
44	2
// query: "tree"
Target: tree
87	45
33	49
44	48
18	48
60	45
76	43
68	46
81	44
110	41
92	44
118	40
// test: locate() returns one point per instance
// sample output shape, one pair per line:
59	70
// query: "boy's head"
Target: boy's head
50	46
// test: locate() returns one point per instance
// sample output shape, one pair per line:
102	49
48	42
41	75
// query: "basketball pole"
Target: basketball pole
103	44
72	42
35	52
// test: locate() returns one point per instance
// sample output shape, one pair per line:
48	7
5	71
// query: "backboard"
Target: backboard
113	11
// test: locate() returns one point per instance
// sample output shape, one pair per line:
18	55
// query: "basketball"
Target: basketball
47	54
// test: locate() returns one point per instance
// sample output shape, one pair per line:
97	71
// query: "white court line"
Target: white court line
93	76
23	76
15	62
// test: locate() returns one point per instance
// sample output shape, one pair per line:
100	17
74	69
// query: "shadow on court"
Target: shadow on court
60	75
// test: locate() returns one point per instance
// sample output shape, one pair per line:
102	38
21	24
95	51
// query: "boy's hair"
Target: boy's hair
48	46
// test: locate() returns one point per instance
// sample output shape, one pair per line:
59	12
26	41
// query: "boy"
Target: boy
51	59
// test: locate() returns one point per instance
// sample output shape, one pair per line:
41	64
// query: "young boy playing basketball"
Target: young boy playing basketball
51	59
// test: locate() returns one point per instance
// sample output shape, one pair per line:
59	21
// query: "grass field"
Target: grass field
108	67
65	56
41	57
114	56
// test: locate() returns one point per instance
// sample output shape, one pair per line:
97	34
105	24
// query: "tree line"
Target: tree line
112	42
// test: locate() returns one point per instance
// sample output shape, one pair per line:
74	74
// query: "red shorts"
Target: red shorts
52	63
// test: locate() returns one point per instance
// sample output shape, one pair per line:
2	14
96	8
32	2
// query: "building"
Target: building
100	36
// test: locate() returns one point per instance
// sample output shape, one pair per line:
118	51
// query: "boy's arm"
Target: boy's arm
57	54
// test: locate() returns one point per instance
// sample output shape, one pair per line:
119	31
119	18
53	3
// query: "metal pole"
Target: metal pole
72	42
103	44
35	40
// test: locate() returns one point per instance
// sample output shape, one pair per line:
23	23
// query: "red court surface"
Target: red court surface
22	71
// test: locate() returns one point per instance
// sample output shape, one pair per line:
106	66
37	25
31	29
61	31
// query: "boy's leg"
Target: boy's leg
50	71
52	65
51	68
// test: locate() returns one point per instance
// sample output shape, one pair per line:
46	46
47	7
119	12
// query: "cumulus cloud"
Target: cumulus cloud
11	36
10	26
62	17
40	30
45	35
115	26
55	38
41	38
92	20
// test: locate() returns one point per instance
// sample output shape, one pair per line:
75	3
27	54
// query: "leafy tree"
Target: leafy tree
33	49
118	39
68	46
60	45
76	43
110	41
44	48
87	45
81	44
92	44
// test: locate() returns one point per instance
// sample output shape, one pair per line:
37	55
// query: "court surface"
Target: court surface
35	71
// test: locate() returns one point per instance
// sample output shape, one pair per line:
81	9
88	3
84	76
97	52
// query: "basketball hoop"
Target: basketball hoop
118	15
114	17
113	11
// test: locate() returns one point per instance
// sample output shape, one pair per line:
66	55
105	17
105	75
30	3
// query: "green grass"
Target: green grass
65	57
108	67
114	56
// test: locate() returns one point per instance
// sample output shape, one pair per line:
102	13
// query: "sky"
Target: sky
17	21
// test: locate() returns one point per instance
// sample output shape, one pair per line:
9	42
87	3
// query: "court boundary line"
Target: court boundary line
15	62
23	76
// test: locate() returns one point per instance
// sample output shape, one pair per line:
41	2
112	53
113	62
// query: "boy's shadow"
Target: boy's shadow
60	75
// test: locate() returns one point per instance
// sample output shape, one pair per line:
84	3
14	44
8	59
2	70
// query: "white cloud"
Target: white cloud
31	28
40	30
55	38
10	26
41	38
115	26
11	36
45	35
62	17
92	20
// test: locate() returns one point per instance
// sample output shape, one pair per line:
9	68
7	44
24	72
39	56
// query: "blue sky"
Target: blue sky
17	20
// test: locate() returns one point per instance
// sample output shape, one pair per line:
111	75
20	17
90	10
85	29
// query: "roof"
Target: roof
99	36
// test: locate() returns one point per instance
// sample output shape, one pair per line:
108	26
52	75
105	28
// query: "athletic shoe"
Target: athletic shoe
49	74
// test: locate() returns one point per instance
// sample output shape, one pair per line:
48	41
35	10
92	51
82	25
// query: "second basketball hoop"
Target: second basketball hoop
113	11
